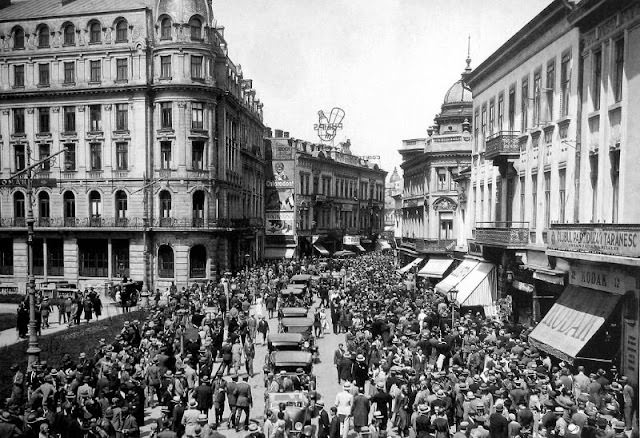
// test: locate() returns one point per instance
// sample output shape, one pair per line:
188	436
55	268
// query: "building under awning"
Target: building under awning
435	268
572	321
415	262
478	288
456	276
321	249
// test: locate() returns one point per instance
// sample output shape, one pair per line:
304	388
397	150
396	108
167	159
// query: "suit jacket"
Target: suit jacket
324	424
231	393
334	427
243	394
204	396
360	410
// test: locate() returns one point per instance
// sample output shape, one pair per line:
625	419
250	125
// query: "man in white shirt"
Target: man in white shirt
344	400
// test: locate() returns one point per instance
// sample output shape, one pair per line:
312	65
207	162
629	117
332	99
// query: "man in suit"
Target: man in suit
334	425
244	402
204	395
324	424
231	399
360	410
130	427
498	424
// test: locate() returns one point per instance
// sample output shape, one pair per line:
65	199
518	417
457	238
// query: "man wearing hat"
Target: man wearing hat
498	423
360	410
244	402
324	422
344	402
130	428
231	399
203	394
382	402
190	417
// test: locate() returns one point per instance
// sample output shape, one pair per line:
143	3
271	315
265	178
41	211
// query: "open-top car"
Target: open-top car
297	405
289	363
294	312
285	342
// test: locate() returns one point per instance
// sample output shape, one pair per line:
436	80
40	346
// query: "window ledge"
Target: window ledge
121	132
19	135
95	82
69	133
196	79
121	81
593	114
615	106
18	87
165	78
564	121
44	85
95	133
94	43
68	84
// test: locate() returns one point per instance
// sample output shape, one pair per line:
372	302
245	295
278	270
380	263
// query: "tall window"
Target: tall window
18	121
500	112
476	129
165	155
534	200
18	38
165	204
95	118
20	156
597	79
165	67
95	155
94	257
44	150
122	69
196	67
6	256
166	119
565	83
197	115
69	72
196	29
69	205
121	204
95	204
18	205
43	37
18	75
547	199
70	157
442	179
446	227
165	29
69	115
198	262
562	177
44	211
122	117
618	69
492	116
537	97
615	185
95	33
522	199
122	32
43	121
512	108
122	156
197	155
69	35
524	106
490	201
550	88
198	208
43	74
593	161
484	126
165	262
95	71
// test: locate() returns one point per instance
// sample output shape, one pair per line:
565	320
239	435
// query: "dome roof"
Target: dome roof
458	93
181	11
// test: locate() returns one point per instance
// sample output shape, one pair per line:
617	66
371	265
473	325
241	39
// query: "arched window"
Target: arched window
69	209
18	38
165	29
95	206
198	208
18	208
196	29
198	262
69	35
44	212
165	262
95	32
121	206
122	31
43	36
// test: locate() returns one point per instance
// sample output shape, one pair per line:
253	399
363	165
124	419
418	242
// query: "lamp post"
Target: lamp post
33	350
453	296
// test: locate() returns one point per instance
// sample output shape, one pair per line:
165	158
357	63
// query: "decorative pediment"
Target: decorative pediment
444	204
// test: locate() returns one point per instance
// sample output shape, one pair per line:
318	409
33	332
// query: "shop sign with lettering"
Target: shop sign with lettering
596	240
604	279
351	240
474	248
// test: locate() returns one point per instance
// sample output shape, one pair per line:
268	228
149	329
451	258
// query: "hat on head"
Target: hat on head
360	358
253	427
347	386
618	425
380	385
320	403
573	429
423	408
203	417
558	410
378	415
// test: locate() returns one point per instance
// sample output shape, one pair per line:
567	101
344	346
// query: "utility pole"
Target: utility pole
146	227
33	350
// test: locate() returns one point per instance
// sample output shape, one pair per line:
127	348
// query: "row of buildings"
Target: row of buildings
523	198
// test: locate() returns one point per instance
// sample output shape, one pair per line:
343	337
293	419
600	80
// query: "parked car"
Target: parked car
289	362
297	408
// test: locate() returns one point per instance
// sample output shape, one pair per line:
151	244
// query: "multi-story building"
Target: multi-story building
551	191
162	174
430	198
321	199
393	186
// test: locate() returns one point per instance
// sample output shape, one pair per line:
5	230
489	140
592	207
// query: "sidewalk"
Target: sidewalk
10	336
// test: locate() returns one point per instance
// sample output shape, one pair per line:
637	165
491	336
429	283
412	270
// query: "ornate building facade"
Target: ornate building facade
162	174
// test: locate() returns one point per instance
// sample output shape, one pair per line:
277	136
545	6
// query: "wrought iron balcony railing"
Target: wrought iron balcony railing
503	234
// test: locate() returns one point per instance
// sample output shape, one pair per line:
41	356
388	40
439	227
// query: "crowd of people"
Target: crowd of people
405	368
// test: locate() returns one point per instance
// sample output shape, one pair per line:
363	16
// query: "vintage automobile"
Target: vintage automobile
289	362
303	279
295	295
285	342
297	405
304	327
294	312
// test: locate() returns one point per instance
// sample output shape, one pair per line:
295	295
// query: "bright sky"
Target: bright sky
387	63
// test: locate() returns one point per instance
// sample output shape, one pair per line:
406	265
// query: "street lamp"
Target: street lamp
453	296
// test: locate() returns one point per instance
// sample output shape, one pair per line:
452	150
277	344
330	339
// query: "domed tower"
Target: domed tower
456	109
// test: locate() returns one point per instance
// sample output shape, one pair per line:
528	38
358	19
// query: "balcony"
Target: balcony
319	199
510	235
501	146
595	240
435	246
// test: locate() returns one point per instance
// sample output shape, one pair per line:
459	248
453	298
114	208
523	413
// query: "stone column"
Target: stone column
109	259
44	257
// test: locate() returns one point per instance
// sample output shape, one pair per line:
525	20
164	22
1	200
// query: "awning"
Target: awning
408	251
456	276
553	277
279	253
478	288
572	321
360	248
384	244
435	268
415	262
321	249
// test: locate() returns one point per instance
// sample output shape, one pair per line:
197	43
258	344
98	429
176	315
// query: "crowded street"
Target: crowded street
382	359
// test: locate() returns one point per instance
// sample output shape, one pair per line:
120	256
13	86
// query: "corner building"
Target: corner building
163	174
